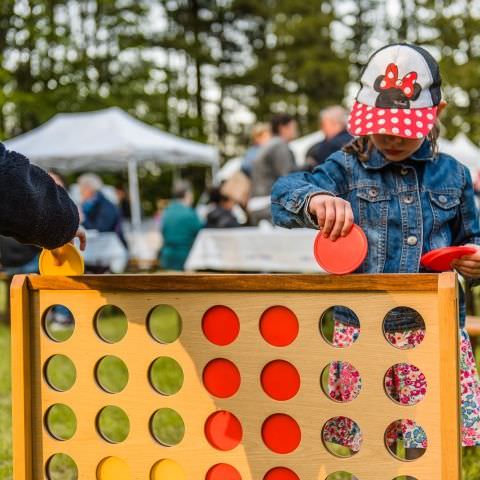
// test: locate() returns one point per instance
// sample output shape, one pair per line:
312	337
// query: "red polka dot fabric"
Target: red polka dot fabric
401	122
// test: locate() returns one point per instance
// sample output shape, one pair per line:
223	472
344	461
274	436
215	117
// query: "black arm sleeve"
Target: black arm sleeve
33	209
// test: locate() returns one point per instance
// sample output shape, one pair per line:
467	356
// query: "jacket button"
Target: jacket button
408	199
373	192
412	240
404	171
442	199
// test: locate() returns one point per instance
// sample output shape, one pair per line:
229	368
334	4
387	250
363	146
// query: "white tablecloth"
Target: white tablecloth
254	249
104	249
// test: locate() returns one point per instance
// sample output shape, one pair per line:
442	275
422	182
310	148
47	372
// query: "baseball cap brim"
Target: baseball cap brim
401	122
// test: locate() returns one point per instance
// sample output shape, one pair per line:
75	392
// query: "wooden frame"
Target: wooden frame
370	296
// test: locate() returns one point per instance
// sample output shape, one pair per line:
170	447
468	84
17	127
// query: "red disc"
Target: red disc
280	380
221	325
281	433
440	260
281	473
221	378
223	471
344	255
279	326
223	430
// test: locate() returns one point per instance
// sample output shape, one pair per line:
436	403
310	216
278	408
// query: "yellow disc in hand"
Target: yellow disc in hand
69	263
113	468
167	470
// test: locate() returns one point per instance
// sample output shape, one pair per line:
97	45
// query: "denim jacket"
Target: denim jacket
405	208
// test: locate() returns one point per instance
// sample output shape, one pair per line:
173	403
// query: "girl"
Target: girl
409	199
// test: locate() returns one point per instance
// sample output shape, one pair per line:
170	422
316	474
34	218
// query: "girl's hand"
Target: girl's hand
334	215
469	265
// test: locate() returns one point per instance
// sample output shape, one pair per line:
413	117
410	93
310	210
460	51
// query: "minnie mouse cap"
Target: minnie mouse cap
399	95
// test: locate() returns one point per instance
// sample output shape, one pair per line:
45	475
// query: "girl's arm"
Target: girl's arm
33	209
468	227
468	230
291	194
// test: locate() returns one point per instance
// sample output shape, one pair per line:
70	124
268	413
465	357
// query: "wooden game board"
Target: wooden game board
247	298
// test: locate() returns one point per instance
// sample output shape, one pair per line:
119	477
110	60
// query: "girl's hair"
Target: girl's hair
362	146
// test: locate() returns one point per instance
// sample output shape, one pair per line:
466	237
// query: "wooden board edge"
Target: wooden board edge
238	282
450	407
21	379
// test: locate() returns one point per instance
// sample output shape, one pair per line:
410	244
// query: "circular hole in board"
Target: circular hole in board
221	378
221	325
167	469
405	384
223	471
342	436
280	380
164	324
404	477
166	375
167	427
406	440
279	326
61	422
61	466
113	424
111	374
340	326
58	323
404	328
341	381
111	323
60	373
281	433
113	468
223	430
281	473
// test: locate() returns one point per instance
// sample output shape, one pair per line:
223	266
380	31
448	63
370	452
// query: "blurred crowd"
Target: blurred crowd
244	198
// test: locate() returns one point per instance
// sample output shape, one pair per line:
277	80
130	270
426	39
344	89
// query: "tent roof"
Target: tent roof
106	139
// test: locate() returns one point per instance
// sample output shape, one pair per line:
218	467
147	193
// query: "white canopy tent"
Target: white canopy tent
109	139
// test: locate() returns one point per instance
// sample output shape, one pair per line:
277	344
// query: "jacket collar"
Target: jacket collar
376	160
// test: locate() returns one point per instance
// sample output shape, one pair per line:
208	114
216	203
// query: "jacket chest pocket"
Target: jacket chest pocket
372	206
373	203
445	207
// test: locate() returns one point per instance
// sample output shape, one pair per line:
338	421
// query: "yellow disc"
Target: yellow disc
167	470
113	468
71	262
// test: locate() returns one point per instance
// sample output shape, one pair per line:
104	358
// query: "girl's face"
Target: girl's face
396	149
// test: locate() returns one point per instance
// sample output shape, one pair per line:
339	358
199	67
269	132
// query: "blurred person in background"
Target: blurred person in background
123	201
333	123
261	134
180	226
273	160
98	212
221	215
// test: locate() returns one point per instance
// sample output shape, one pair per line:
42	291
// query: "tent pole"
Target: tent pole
134	195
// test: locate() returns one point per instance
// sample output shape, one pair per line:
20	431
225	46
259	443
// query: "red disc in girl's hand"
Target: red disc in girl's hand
344	255
440	260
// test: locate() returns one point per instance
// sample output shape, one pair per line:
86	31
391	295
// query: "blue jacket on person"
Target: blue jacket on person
405	208
102	215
